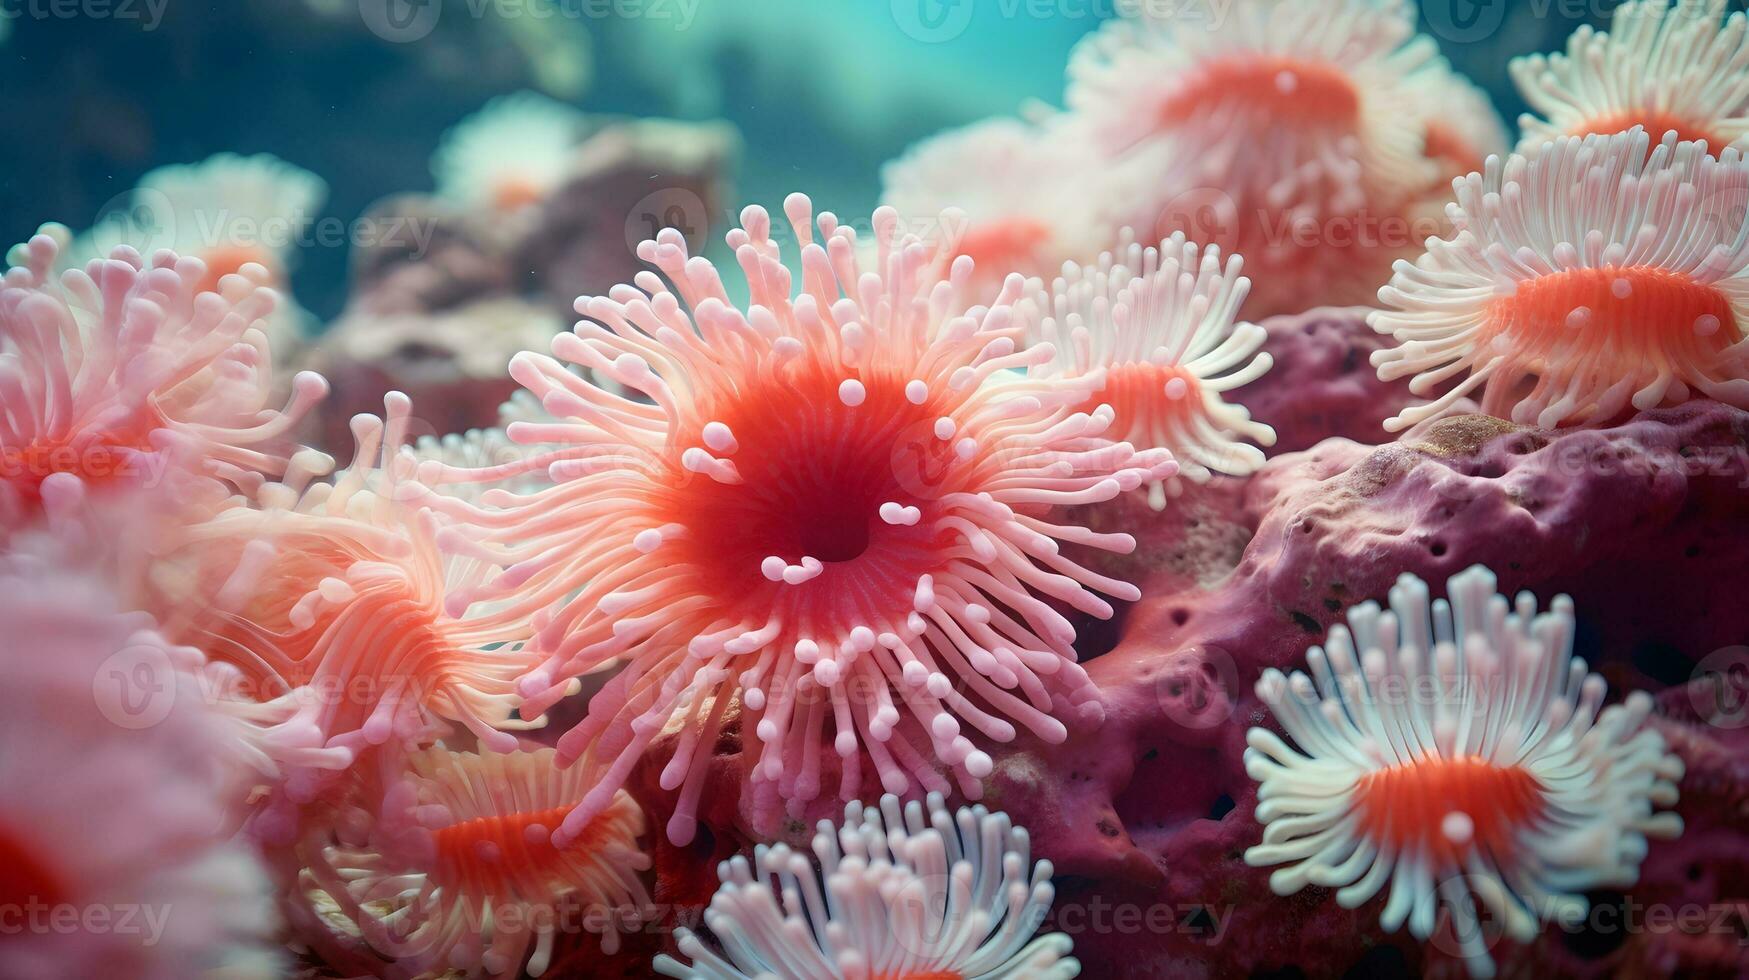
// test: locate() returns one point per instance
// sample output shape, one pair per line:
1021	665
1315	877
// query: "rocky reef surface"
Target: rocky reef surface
1147	816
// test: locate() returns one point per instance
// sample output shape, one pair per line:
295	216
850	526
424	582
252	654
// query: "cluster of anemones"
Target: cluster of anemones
1314	139
1605	265
830	526
830	516
839	506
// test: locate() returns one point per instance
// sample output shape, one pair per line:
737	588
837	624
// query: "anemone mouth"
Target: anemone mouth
24	878
1293	92
818	480
1447	808
1623	316
516	193
489	855
1456	154
1656	122
1146	396
1008	244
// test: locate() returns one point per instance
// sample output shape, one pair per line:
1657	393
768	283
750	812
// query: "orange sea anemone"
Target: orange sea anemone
1587	278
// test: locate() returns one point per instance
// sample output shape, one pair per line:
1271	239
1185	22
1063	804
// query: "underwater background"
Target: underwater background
1241	467
822	92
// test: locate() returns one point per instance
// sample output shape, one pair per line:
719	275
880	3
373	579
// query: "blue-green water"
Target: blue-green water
97	92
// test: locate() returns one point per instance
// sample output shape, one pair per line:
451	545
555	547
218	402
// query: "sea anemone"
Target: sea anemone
833	509
1666	67
1282	131
333	601
130	372
464	873
922	893
1586	277
115	857
228	211
1018	196
1157	325
1461	126
510	154
1455	749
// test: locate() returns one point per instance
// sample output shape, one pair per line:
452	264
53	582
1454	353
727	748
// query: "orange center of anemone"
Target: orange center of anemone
1657	123
814	473
1614	317
515	193
1289	91
24	879
1001	247
1454	152
1405	807
1146	396
228	260
491	855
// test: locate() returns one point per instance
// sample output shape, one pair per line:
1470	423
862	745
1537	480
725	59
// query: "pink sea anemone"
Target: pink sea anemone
128	372
1678	67
118	793
1587	278
333	602
1290	133
1157	325
463	873
919	892
833	510
1455	749
1017	197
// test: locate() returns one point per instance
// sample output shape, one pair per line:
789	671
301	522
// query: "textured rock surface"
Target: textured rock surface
1147	818
1322	384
